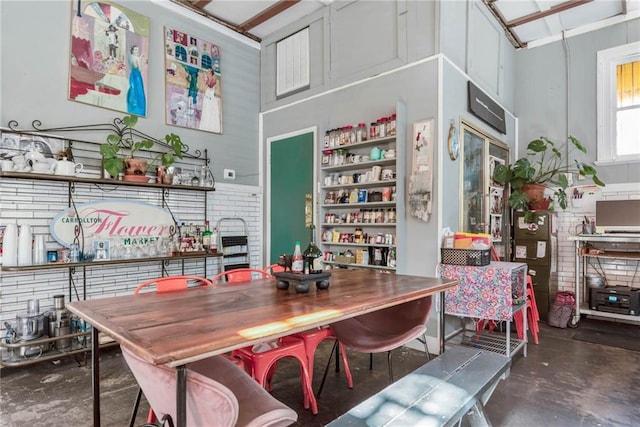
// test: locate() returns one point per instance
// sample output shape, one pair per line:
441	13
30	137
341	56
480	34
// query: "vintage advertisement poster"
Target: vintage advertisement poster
193	82
109	56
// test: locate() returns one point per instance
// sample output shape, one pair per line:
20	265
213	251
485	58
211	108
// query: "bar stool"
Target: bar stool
260	360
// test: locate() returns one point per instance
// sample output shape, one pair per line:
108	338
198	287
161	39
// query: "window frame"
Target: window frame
608	60
288	63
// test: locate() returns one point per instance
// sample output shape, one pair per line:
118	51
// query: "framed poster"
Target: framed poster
109	56
193	82
421	178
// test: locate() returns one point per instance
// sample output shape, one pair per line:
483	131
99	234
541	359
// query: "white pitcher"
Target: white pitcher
25	245
66	167
10	246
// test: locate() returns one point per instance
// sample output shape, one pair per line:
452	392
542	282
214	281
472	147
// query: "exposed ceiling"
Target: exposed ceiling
527	23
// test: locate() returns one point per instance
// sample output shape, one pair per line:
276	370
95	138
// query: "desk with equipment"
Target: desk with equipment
616	239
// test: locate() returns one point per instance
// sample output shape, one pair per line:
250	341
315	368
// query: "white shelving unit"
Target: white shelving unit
340	230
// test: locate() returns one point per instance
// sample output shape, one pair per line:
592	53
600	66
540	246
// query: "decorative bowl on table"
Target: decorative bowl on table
302	281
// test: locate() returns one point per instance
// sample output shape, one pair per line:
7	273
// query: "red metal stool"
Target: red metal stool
532	314
260	364
311	341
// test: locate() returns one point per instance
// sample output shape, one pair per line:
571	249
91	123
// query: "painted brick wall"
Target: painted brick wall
37	202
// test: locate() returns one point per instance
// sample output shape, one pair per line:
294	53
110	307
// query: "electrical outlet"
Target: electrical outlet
229	174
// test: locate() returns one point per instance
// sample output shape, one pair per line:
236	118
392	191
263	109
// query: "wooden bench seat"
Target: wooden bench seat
440	393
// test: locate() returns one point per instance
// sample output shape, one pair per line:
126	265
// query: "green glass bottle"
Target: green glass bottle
313	255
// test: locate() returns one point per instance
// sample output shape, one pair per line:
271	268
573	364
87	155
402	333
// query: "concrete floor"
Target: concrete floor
562	382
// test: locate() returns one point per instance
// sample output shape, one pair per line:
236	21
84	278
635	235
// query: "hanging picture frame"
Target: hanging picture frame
109	56
421	179
193	82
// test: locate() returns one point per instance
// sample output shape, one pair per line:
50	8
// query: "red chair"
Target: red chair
172	284
241	275
532	314
260	360
314	337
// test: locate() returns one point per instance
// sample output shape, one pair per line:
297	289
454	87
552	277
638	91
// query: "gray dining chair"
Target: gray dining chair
385	330
218	394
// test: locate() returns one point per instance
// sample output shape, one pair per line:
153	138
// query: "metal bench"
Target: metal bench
459	382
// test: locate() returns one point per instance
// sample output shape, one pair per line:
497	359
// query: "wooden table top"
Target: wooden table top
182	327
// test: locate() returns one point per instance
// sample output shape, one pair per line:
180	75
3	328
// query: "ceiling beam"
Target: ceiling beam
200	4
267	14
544	13
189	5
511	35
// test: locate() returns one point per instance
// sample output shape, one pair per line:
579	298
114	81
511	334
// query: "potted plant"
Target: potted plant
119	152
545	164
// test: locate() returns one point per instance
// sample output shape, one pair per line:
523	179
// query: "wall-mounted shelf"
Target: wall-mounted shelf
97	181
183	256
374	267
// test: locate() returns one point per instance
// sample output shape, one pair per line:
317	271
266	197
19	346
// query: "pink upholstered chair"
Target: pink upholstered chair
385	330
172	284
260	360
218	394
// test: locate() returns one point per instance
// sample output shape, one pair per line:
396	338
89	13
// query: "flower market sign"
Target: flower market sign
129	222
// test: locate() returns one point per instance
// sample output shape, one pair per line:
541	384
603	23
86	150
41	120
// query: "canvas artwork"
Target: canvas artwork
193	82
109	56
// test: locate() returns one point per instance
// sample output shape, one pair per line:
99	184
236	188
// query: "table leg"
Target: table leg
95	360
181	395
441	322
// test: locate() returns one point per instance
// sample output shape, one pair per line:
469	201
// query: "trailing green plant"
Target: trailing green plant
544	164
126	142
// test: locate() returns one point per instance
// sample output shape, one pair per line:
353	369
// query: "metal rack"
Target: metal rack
233	243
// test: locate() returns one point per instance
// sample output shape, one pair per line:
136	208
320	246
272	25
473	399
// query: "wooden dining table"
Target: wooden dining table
177	328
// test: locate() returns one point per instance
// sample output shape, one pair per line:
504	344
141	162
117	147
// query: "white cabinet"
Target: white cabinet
358	204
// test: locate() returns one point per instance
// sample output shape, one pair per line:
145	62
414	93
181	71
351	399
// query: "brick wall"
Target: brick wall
37	202
617	272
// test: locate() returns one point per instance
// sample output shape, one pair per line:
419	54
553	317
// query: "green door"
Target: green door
291	178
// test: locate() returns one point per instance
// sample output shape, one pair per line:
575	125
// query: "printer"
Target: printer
616	299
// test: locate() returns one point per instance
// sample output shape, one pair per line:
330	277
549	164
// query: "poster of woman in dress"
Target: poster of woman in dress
193	82
109	56
496	228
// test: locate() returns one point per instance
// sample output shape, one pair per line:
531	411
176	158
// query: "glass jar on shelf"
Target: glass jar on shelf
361	132
373	130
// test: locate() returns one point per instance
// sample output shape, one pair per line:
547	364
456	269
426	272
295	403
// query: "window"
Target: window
292	63
619	104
